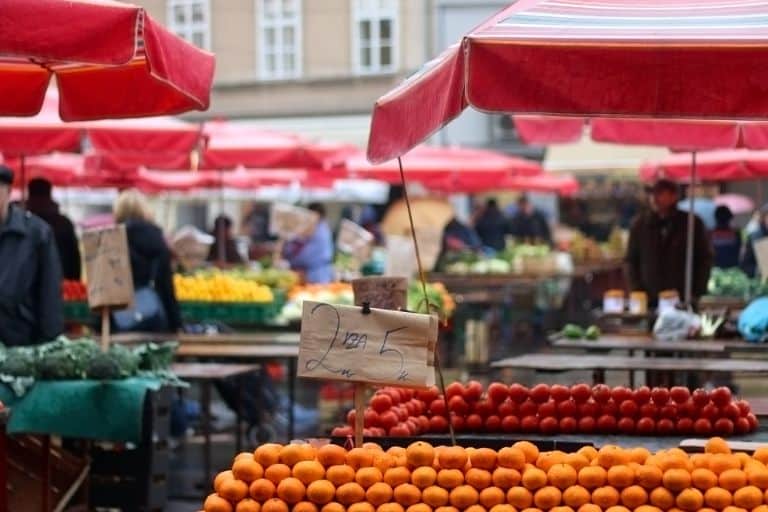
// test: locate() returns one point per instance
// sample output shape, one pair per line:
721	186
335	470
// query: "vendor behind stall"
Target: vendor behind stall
656	251
31	309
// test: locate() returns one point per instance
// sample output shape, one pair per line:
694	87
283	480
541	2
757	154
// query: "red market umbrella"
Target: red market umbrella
561	184
463	167
724	165
691	59
111	60
232	145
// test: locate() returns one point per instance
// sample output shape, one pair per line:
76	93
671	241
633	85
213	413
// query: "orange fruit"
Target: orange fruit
592	477
373	446
243	455
321	492
519	497
744	459
331	455
378	493
396	476
576	461
717	445
562	476
221	477
547	497
690	500
452	457
383	461
700	460
483	458
634	496
434	496
262	489
761	454
610	455
529	449
676	479
605	497
233	490
748	497
424	476
758	477
548	459
420	454
703	479
349	493
290	454
419	507
304	506
505	477
492	496
562	508
720	462
291	490
363	506
333	506
718	498
662	498
475	508
589	452
648	476
360	458
407	494
617	508
621	476
511	457
277	473
463	496
267	454
534	478
340	474
478	478
760	508
589	507
502	508
639	455
274	505
734	509
247	469
576	496
647	508
447	508
308	471
450	478
248	505
215	503
732	479
390	507
368	476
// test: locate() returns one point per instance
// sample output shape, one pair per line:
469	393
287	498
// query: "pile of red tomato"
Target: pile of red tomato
74	291
554	409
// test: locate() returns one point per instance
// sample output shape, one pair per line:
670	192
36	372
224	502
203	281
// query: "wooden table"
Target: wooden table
641	343
601	363
206	374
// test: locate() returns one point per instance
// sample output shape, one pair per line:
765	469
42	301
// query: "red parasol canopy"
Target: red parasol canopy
463	168
724	165
111	60
232	145
40	134
657	58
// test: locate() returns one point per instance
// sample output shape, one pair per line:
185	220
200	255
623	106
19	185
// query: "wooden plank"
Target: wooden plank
562	362
208	371
238	350
641	343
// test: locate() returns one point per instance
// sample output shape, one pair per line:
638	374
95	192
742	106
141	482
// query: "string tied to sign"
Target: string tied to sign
423	282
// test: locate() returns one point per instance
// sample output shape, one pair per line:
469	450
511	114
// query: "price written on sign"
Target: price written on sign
381	347
288	222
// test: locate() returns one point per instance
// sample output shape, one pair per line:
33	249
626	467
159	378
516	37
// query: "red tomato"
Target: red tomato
528	408
567	408
606	424
473	391
660	396
700	397
620	394
629	408
741	426
351	415
474	423
518	393
702	427
411	408
752	421
709	411
721	396
507	408
547	409
512	424
730	411
540	393
626	425
684	425
568	425
649	410
402	413
498	392
342	432
423	423
492	423
744	407
589	410
686	409
371	418
484	408
601	393
458	422
400	430
642	395
428	395
645	426
559	393
458	405
680	394
665	427
438	424
723	427
548	426
669	411
529	424
587	424
454	389
581	393
438	407
609	408
388	419
394	395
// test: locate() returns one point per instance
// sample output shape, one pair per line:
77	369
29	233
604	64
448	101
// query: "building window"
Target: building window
374	36
191	20
279	34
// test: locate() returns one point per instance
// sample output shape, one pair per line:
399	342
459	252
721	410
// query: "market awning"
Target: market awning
661	59
111	60
724	165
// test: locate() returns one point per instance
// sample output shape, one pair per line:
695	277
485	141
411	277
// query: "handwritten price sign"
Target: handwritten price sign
382	347
288	222
108	267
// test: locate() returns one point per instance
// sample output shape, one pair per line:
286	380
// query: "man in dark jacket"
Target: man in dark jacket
42	204
30	274
657	247
528	224
491	226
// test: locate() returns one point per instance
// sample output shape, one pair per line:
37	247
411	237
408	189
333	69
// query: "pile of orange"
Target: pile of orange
519	478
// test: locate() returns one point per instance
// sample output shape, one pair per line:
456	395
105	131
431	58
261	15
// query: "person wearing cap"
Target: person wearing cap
31	308
656	252
41	203
749	261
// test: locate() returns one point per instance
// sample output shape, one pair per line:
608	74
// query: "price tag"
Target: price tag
354	239
108	267
289	222
761	255
382	347
381	292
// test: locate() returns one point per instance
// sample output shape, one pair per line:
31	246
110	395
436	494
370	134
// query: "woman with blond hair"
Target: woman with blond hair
150	266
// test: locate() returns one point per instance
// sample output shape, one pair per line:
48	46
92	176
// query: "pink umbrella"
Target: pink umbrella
737	203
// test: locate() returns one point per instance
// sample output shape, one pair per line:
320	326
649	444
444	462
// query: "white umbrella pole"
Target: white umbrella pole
691	234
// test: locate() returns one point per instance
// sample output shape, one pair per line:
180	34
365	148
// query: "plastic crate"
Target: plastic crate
236	313
77	312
